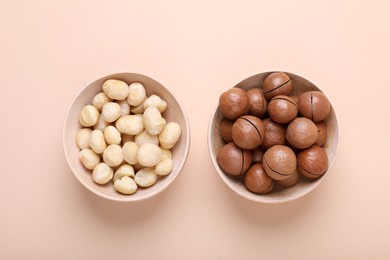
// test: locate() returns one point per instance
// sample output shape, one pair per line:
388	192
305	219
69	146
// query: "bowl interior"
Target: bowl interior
303	187
71	126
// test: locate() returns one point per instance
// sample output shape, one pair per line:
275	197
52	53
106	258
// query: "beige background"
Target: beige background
198	49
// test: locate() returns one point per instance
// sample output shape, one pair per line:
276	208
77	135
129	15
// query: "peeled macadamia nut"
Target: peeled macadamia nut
124	170
153	121
225	130
279	162
314	105
112	135
125	185
82	138
258	104
149	155
234	103
99	100
111	111
275	133
89	116
164	167
301	133
137	94
144	137
233	160
89	158
130	125
116	89
101	124
138	109
290	180
277	83
282	109
170	135
97	141
165	153
322	134
130	152
145	177
313	162
102	173
248	132
113	155
257	181
157	102
125	107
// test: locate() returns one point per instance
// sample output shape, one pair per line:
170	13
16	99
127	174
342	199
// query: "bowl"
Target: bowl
174	112
303	187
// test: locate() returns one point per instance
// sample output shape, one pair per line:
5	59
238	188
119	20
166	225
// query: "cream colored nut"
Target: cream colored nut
116	89
112	135
99	100
97	142
130	152
113	155
82	138
89	158
102	173
165	153
130	125
127	138
138	109
157	102
101	124
126	185
124	170
137	94
144	137
145	177
149	155
125	107
111	111
153	121
89	116
164	167
170	135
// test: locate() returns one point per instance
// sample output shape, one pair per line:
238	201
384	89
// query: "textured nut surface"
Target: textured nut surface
89	116
314	105
125	107
165	153
130	124
233	160
301	133
89	158
149	155
102	173
258	104
157	102
111	111
248	132
290	180
313	162
282	109
225	130
97	142
99	100
153	121
234	103
277	83
101	124
322	134
170	135
275	133
164	167
144	137
112	135
124	170
130	152
256	180
279	162
82	138
145	177
113	155
137	94
125	185
116	89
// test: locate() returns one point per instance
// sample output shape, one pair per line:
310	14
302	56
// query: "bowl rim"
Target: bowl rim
260	198
125	198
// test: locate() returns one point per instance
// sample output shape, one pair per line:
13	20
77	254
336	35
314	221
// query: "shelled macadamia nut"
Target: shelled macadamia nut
125	107
89	116
144	137
101	124
82	138
99	100
111	111
102	173
157	102
113	155
125	185
164	167
97	141
124	170
138	109
130	152
112	135
149	155
130	125
170	135
153	121
145	177
165	153
137	94
89	158
116	89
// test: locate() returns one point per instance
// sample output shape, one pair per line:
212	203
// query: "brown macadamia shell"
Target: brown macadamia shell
282	109
275	133
248	132
313	162
234	103
233	160
290	180
277	83
322	133
314	105
301	133
258	104
257	181
225	130
279	162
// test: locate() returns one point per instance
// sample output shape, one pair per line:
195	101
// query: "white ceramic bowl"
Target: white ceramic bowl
71	126
282	195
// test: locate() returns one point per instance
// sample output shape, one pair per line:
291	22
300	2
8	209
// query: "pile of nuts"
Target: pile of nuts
271	136
125	129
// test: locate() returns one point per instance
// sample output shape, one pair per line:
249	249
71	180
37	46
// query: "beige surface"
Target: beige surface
50	49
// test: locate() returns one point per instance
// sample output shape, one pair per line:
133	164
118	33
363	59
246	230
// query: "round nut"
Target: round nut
144	137
130	152
301	133
258	104
279	162
125	185
169	135
248	132
233	160
314	105
102	173
282	109
275	133
153	121
313	162
111	111
149	155
82	138
113	155
116	89
322	134
101	124
165	153
123	170
97	142
137	94
234	103
99	100
130	124
164	167
125	107
225	130
257	181
145	177
112	135
277	83
89	158
290	180
89	116
157	102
